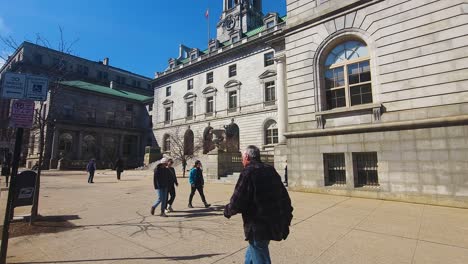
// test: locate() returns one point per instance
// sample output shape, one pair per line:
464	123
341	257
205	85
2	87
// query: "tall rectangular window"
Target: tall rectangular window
209	78
335	168
269	58
167	115
209	105
190	109
233	100
190	84
232	70
365	169
270	91
168	91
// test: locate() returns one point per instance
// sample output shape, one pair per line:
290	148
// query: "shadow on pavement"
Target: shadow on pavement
42	225
211	211
176	258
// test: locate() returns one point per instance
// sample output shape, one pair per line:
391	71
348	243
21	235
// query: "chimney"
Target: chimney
106	61
112	85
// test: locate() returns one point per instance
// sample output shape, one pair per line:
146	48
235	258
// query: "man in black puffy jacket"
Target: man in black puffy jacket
264	203
161	185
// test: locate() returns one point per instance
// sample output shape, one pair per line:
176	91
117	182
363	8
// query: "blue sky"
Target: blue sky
138	35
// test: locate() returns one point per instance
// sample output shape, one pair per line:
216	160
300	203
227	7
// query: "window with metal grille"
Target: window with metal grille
271	133
335	168
365	169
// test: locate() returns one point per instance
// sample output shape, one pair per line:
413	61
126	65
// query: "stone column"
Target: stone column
282	96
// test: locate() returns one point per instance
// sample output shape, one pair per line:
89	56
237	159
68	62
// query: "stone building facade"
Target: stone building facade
93	121
378	99
31	58
237	80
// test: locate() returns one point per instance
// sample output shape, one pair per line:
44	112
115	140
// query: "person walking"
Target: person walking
91	168
197	182
161	184
119	167
264	203
172	184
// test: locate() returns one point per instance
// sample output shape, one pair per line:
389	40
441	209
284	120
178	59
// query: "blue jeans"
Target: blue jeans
162	199
258	253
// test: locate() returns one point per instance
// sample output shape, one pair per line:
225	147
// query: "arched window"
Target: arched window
189	143
65	143
89	147
271	132
347	75
109	147
166	143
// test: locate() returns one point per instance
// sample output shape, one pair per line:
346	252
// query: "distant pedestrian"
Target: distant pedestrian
172	184
286	174
265	206
119	167
161	184
91	168
197	183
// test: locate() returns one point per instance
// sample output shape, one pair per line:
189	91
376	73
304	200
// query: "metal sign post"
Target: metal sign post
11	195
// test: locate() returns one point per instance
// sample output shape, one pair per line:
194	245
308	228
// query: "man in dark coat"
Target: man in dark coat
264	203
172	184
119	167
161	184
91	169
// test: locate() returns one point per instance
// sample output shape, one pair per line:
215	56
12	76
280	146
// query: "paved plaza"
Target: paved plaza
110	222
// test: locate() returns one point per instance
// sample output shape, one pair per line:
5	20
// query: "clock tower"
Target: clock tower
239	17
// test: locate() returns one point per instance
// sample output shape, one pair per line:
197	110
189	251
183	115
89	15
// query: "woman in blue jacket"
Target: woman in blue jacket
197	182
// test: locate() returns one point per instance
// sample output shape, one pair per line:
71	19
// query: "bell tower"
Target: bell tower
239	17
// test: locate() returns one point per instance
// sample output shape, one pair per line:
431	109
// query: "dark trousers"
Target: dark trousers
91	176
172	195
200	191
118	175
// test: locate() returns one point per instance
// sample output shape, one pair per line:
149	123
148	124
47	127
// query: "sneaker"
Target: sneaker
207	205
190	206
152	210
163	215
167	211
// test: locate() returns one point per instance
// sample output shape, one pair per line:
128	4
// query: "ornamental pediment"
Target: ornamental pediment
168	102
267	74
189	95
232	83
209	89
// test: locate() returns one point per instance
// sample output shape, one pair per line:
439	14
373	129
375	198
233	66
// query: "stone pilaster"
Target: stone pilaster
282	96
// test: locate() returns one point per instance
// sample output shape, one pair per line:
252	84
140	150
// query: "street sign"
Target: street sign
13	85
25	186
36	88
24	86
22	114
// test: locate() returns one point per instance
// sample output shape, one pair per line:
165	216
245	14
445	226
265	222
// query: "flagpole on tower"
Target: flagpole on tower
207	15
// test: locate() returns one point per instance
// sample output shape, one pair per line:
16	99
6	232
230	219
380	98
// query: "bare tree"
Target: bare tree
44	111
183	147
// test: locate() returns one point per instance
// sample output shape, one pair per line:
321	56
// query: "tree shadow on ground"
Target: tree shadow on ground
175	258
42	225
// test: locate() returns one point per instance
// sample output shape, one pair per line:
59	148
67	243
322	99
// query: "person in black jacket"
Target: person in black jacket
264	203
119	167
161	184
172	182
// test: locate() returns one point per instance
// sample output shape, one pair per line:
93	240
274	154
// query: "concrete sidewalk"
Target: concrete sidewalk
110	222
